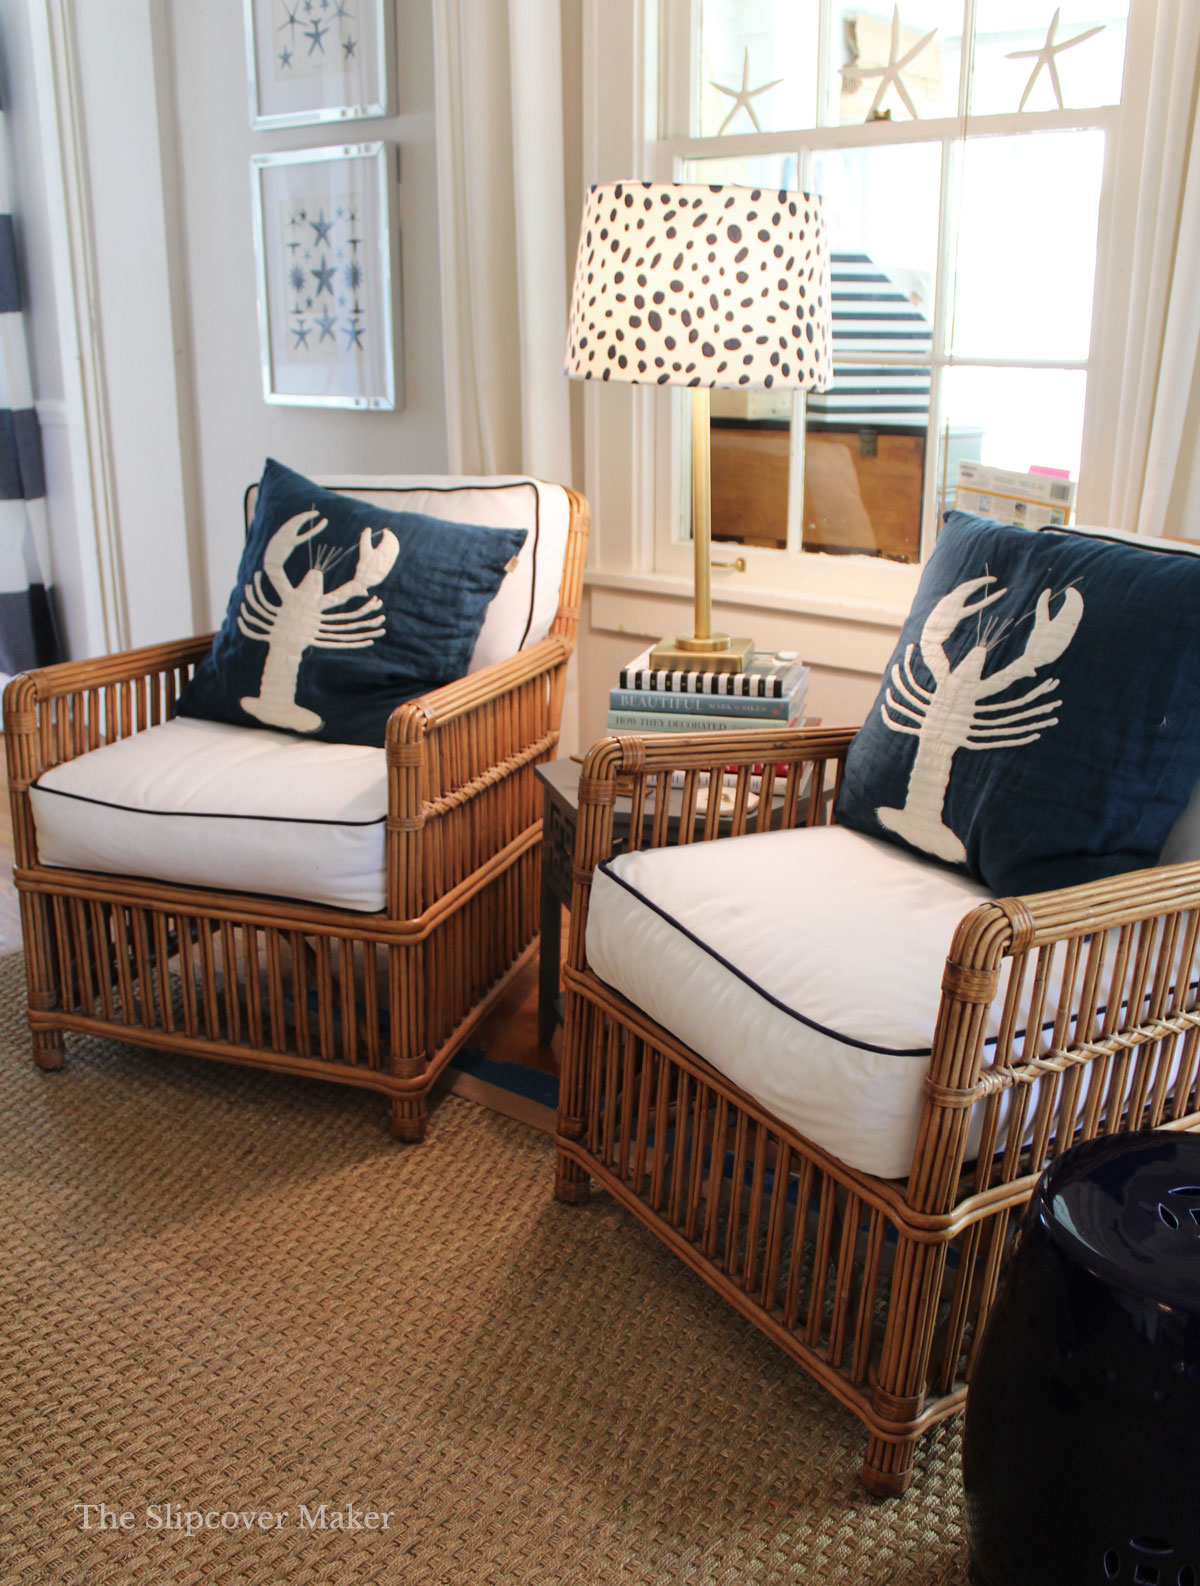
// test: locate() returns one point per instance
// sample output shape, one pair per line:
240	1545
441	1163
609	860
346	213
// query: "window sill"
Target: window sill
848	635
882	609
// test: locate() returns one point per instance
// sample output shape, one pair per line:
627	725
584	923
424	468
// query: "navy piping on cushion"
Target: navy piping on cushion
834	1035
404	490
821	1029
205	815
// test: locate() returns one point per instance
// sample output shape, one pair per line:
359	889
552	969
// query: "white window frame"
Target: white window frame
635	82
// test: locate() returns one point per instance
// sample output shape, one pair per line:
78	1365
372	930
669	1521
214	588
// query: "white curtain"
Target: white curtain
1156	475
503	251
503	248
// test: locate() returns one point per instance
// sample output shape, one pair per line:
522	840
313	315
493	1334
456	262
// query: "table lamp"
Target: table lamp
701	286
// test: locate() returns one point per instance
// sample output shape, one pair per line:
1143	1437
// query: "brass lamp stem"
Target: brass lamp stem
702	512
702	649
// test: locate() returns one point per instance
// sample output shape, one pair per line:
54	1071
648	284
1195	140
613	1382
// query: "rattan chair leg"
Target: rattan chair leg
904	1364
571	1184
41	980
887	1469
49	1049
410	1118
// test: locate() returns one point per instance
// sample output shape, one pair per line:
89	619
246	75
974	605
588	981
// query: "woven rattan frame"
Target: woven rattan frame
377	1000
878	1288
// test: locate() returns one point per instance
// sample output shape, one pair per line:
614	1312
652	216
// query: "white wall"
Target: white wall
232	428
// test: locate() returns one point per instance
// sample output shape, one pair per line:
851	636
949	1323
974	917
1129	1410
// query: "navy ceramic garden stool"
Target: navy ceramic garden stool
1081	1445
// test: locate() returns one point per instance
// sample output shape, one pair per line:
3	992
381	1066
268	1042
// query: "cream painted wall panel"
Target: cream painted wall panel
234	428
851	645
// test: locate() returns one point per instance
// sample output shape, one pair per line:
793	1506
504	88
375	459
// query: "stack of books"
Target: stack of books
771	692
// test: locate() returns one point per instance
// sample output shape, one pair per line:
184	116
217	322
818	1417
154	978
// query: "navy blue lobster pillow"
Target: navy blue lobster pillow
1039	722
343	610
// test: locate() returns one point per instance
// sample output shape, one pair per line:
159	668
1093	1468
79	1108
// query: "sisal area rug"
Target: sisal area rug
246	1337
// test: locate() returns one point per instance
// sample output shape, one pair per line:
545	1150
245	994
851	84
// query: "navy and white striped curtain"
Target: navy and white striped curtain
27	630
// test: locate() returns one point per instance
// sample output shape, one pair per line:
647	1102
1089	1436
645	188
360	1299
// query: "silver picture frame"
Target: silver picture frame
313	61
327	256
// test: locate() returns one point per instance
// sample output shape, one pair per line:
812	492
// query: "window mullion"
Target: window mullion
676	76
966	66
824	61
937	438
943	287
796	458
873	134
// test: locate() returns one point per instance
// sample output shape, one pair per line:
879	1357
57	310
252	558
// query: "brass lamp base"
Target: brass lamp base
716	653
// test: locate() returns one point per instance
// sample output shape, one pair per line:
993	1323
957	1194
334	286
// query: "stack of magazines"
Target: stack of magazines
771	692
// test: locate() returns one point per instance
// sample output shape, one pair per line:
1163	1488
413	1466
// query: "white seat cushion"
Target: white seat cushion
524	607
210	805
805	966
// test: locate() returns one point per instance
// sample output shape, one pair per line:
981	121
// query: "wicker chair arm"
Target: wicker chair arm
58	712
410	722
631	765
104	671
683	751
1099	905
1014	927
471	743
1110	965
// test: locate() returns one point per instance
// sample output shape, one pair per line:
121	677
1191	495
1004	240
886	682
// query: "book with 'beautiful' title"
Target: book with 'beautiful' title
768	707
767	675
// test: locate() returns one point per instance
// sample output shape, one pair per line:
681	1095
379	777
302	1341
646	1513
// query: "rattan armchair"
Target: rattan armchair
380	1000
877	1287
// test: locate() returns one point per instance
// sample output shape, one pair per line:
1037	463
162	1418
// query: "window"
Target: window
965	153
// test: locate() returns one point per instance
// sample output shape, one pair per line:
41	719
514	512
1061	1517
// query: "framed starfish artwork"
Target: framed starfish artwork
309	61
327	256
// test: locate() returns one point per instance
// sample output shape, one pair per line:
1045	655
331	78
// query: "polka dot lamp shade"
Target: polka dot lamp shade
701	286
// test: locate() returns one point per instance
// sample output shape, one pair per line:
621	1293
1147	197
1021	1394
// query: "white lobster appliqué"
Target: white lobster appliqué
952	714
300	616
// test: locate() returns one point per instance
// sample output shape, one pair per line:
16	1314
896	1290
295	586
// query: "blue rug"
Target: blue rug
530	1083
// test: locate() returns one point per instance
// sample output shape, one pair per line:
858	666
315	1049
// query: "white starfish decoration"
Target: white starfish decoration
889	75
1045	57
742	96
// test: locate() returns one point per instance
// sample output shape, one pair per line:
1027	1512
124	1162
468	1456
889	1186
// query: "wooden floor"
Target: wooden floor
509	1034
